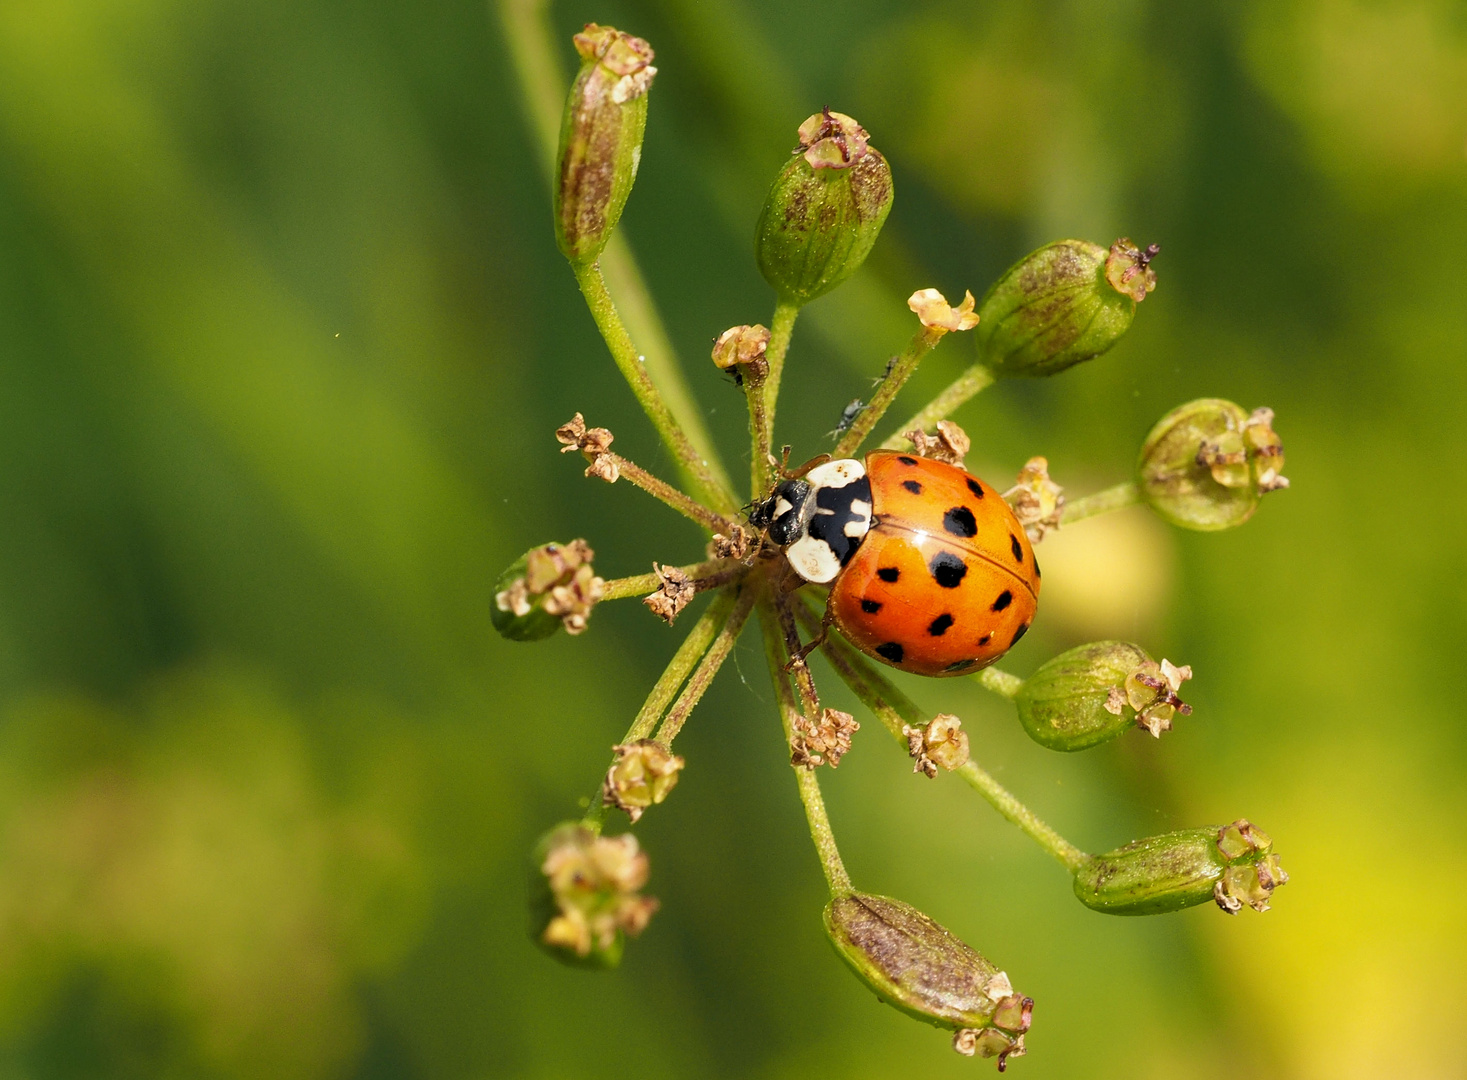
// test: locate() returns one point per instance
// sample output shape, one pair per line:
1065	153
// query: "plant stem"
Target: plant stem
543	84
1000	682
695	467
662	490
782	326
969	384
704	576
836	877
894	709
921	344
707	668
678	669
1002	800
1102	502
783	606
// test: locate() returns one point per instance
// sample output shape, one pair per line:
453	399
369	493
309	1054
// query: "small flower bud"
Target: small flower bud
547	588
584	895
1068	302
1094	692
642	776
741	349
918	966
824	211
942	742
816	742
1206	464
935	313
1232	865
600	139
1035	499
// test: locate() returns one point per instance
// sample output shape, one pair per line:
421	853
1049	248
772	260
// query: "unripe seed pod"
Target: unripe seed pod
584	898
1232	865
824	211
918	966
600	139
1068	302
1206	464
1092	693
545	589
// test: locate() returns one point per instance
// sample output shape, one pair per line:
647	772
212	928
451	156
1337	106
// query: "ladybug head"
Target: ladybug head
819	520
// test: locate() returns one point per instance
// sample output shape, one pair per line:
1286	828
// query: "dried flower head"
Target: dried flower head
1152	691
743	347
818	742
548	588
642	775
950	444
832	140
592	887
672	595
593	443
1128	268
1253	871
942	742
1037	501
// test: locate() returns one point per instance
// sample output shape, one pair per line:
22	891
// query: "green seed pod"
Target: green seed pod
1206	464
1232	865
600	139
919	967
825	210
584	899
1068	302
545	589
1092	693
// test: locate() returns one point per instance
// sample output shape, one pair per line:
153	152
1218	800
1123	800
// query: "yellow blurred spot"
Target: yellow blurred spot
1108	576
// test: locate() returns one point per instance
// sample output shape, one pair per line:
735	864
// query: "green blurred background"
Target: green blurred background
283	338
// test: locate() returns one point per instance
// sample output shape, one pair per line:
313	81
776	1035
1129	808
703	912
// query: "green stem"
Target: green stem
1002	800
707	668
694	646
969	384
671	496
543	83
999	682
782	326
836	877
704	576
921	344
695	467
1102	502
895	710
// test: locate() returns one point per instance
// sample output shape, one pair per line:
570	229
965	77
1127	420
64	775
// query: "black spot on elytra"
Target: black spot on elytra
1036	568
939	625
947	569
1020	632
960	522
870	607
912	486
892	651
1016	547
960	665
985	639
1005	598
888	573
907	460
975	487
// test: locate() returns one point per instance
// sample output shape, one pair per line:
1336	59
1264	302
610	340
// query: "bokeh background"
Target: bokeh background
283	338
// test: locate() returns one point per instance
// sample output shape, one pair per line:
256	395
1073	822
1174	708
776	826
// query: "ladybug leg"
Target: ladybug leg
814	643
795	474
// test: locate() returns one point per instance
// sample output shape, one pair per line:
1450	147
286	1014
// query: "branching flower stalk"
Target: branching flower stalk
1204	466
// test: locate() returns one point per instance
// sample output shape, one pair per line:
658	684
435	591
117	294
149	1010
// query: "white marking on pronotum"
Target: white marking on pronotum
813	560
862	509
836	474
783	507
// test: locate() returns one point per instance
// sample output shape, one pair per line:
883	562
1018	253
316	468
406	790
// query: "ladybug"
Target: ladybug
929	570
